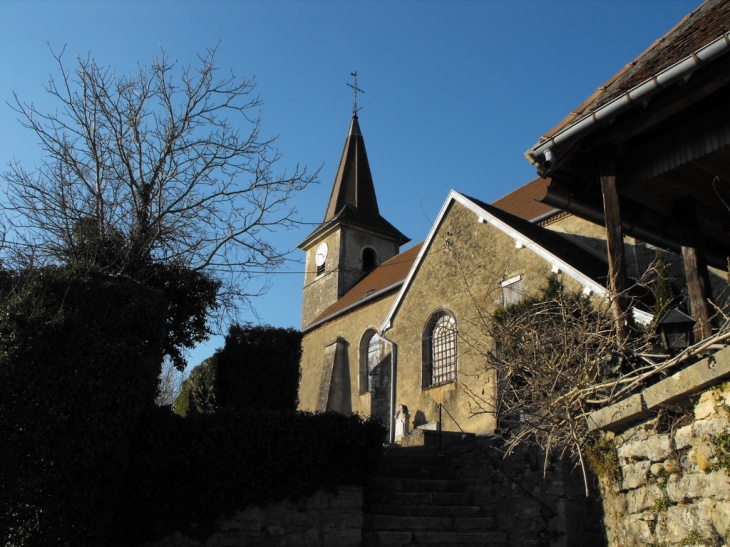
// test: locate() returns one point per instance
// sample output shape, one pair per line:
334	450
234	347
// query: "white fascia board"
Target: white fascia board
642	317
486	217
388	322
640	92
543	253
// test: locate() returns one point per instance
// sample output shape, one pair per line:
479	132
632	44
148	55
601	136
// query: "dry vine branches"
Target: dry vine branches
558	357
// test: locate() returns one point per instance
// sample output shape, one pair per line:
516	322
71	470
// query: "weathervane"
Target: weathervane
356	90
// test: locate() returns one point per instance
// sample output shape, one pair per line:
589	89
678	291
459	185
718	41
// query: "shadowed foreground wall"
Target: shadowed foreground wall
321	520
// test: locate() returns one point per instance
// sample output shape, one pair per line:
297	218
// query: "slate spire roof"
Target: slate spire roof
354	182
353	200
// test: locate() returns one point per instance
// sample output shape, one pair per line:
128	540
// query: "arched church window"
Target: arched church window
439	349
369	259
369	359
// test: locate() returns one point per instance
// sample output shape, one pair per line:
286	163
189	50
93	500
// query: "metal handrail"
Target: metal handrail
441	407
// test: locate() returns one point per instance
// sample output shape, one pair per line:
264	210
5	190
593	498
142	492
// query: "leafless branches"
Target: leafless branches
170	384
558	357
167	164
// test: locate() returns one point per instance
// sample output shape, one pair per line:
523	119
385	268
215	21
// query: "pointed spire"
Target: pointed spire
354	182
352	201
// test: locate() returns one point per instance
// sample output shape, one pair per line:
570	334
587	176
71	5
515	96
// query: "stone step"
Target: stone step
426	524
419	498
461	511
434	539
416	485
433	460
408	470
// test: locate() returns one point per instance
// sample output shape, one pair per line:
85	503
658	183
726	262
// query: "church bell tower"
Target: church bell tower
353	238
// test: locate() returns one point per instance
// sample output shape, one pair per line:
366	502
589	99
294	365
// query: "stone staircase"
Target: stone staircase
417	499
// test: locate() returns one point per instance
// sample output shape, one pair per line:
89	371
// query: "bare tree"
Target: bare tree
170	385
558	357
166	165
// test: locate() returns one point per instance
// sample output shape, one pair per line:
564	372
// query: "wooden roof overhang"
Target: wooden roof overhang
672	145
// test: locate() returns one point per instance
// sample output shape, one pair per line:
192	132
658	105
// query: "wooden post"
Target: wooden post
695	267
615	241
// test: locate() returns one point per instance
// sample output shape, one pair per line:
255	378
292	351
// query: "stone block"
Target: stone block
692	486
655	448
683	437
682	520
643	498
346	537
616	416
691	380
720	516
705	406
711	426
635	530
634	475
658	470
632	435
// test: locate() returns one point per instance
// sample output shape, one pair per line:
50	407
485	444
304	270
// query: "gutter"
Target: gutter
542	153
539	218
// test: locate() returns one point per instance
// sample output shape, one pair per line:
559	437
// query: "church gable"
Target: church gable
476	258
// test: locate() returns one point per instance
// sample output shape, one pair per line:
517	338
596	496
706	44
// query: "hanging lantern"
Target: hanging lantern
675	329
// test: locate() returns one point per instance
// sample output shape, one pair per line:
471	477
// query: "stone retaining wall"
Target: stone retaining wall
672	485
528	508
321	520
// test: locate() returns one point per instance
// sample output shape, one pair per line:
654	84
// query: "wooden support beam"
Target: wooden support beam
695	267
614	239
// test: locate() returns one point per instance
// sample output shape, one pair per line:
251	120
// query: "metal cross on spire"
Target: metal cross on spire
356	90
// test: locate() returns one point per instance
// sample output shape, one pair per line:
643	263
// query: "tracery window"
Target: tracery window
439	349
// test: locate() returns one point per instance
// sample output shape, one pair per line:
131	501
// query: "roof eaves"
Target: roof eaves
387	322
485	216
347	309
665	77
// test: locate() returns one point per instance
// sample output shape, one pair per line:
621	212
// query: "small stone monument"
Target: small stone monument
401	422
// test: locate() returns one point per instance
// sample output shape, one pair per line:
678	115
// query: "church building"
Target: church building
390	332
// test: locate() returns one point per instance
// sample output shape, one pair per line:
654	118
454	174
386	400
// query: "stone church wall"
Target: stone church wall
321	520
671	487
461	273
350	329
321	291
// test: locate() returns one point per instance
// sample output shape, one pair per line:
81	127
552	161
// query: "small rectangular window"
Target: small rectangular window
320	270
512	291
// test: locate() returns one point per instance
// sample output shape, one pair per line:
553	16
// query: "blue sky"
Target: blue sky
455	91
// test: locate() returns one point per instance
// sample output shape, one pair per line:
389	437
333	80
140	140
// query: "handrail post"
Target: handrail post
439	425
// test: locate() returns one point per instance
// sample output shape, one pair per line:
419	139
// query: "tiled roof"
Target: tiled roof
707	22
385	279
523	203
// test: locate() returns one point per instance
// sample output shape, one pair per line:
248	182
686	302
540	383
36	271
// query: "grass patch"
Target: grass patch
602	456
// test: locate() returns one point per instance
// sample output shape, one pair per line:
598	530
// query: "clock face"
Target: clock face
321	255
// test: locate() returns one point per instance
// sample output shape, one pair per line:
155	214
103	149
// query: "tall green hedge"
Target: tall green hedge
258	367
187	472
79	358
86	459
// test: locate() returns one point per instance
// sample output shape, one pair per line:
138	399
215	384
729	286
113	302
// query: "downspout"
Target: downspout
393	359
